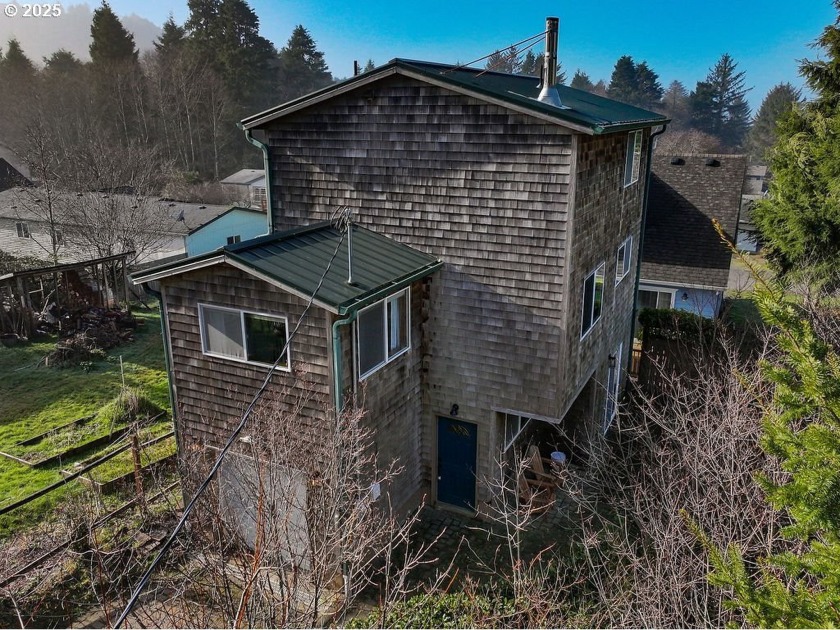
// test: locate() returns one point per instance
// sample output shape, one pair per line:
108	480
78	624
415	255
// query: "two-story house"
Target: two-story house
493	262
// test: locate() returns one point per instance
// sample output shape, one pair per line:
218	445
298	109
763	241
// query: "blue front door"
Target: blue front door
456	462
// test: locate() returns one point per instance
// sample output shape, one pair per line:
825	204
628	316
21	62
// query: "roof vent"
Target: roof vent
677	161
712	162
549	93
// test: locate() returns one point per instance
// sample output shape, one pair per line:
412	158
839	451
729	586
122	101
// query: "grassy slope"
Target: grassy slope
37	399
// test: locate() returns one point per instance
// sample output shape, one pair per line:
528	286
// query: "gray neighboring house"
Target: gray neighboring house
685	265
24	231
494	251
250	186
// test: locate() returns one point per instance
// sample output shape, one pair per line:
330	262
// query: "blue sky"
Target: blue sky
679	40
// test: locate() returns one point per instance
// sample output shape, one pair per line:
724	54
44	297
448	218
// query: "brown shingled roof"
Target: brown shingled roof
686	193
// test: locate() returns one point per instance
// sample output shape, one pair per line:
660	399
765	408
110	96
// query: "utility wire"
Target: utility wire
343	224
527	39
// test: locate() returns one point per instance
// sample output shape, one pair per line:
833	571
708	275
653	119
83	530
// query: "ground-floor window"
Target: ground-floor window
652	298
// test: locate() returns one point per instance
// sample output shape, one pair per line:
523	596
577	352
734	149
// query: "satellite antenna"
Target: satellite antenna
348	223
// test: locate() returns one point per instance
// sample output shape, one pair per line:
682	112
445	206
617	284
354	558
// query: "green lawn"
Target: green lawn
38	399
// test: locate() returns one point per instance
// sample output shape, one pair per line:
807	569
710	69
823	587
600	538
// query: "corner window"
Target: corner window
22	229
634	157
382	333
593	299
622	259
243	336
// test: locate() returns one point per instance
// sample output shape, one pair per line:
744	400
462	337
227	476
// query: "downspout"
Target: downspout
264	148
642	243
339	404
167	349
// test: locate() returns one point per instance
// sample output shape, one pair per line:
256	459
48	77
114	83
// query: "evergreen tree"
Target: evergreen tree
302	67
172	38
63	63
505	61
799	221
635	84
111	44
762	136
648	86
623	84
19	80
719	106
16	65
225	33
530	65
675	106
581	81
797	588
369	66
245	57
600	88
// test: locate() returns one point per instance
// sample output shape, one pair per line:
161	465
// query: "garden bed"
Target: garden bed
156	455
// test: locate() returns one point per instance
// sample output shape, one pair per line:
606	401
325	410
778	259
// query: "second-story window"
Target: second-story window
382	333
244	336
593	299
634	157
22	229
622	259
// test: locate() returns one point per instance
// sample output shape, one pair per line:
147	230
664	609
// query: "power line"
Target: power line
527	39
344	227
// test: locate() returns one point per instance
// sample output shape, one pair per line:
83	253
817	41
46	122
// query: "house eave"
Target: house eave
538	111
389	289
680	285
176	268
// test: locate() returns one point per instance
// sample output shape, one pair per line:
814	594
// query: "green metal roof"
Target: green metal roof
296	260
581	110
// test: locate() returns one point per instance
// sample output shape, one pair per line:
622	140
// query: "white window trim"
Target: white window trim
523	421
388	359
628	256
658	289
242	313
594	321
22	229
611	412
631	169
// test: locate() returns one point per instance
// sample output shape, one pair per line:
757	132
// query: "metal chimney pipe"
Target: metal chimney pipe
552	27
549	93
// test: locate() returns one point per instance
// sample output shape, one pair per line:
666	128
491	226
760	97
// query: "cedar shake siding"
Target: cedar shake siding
606	213
211	393
393	403
489	191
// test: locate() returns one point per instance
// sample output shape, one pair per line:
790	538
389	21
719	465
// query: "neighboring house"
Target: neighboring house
685	265
249	184
10	176
493	263
11	158
231	227
755	188
25	230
